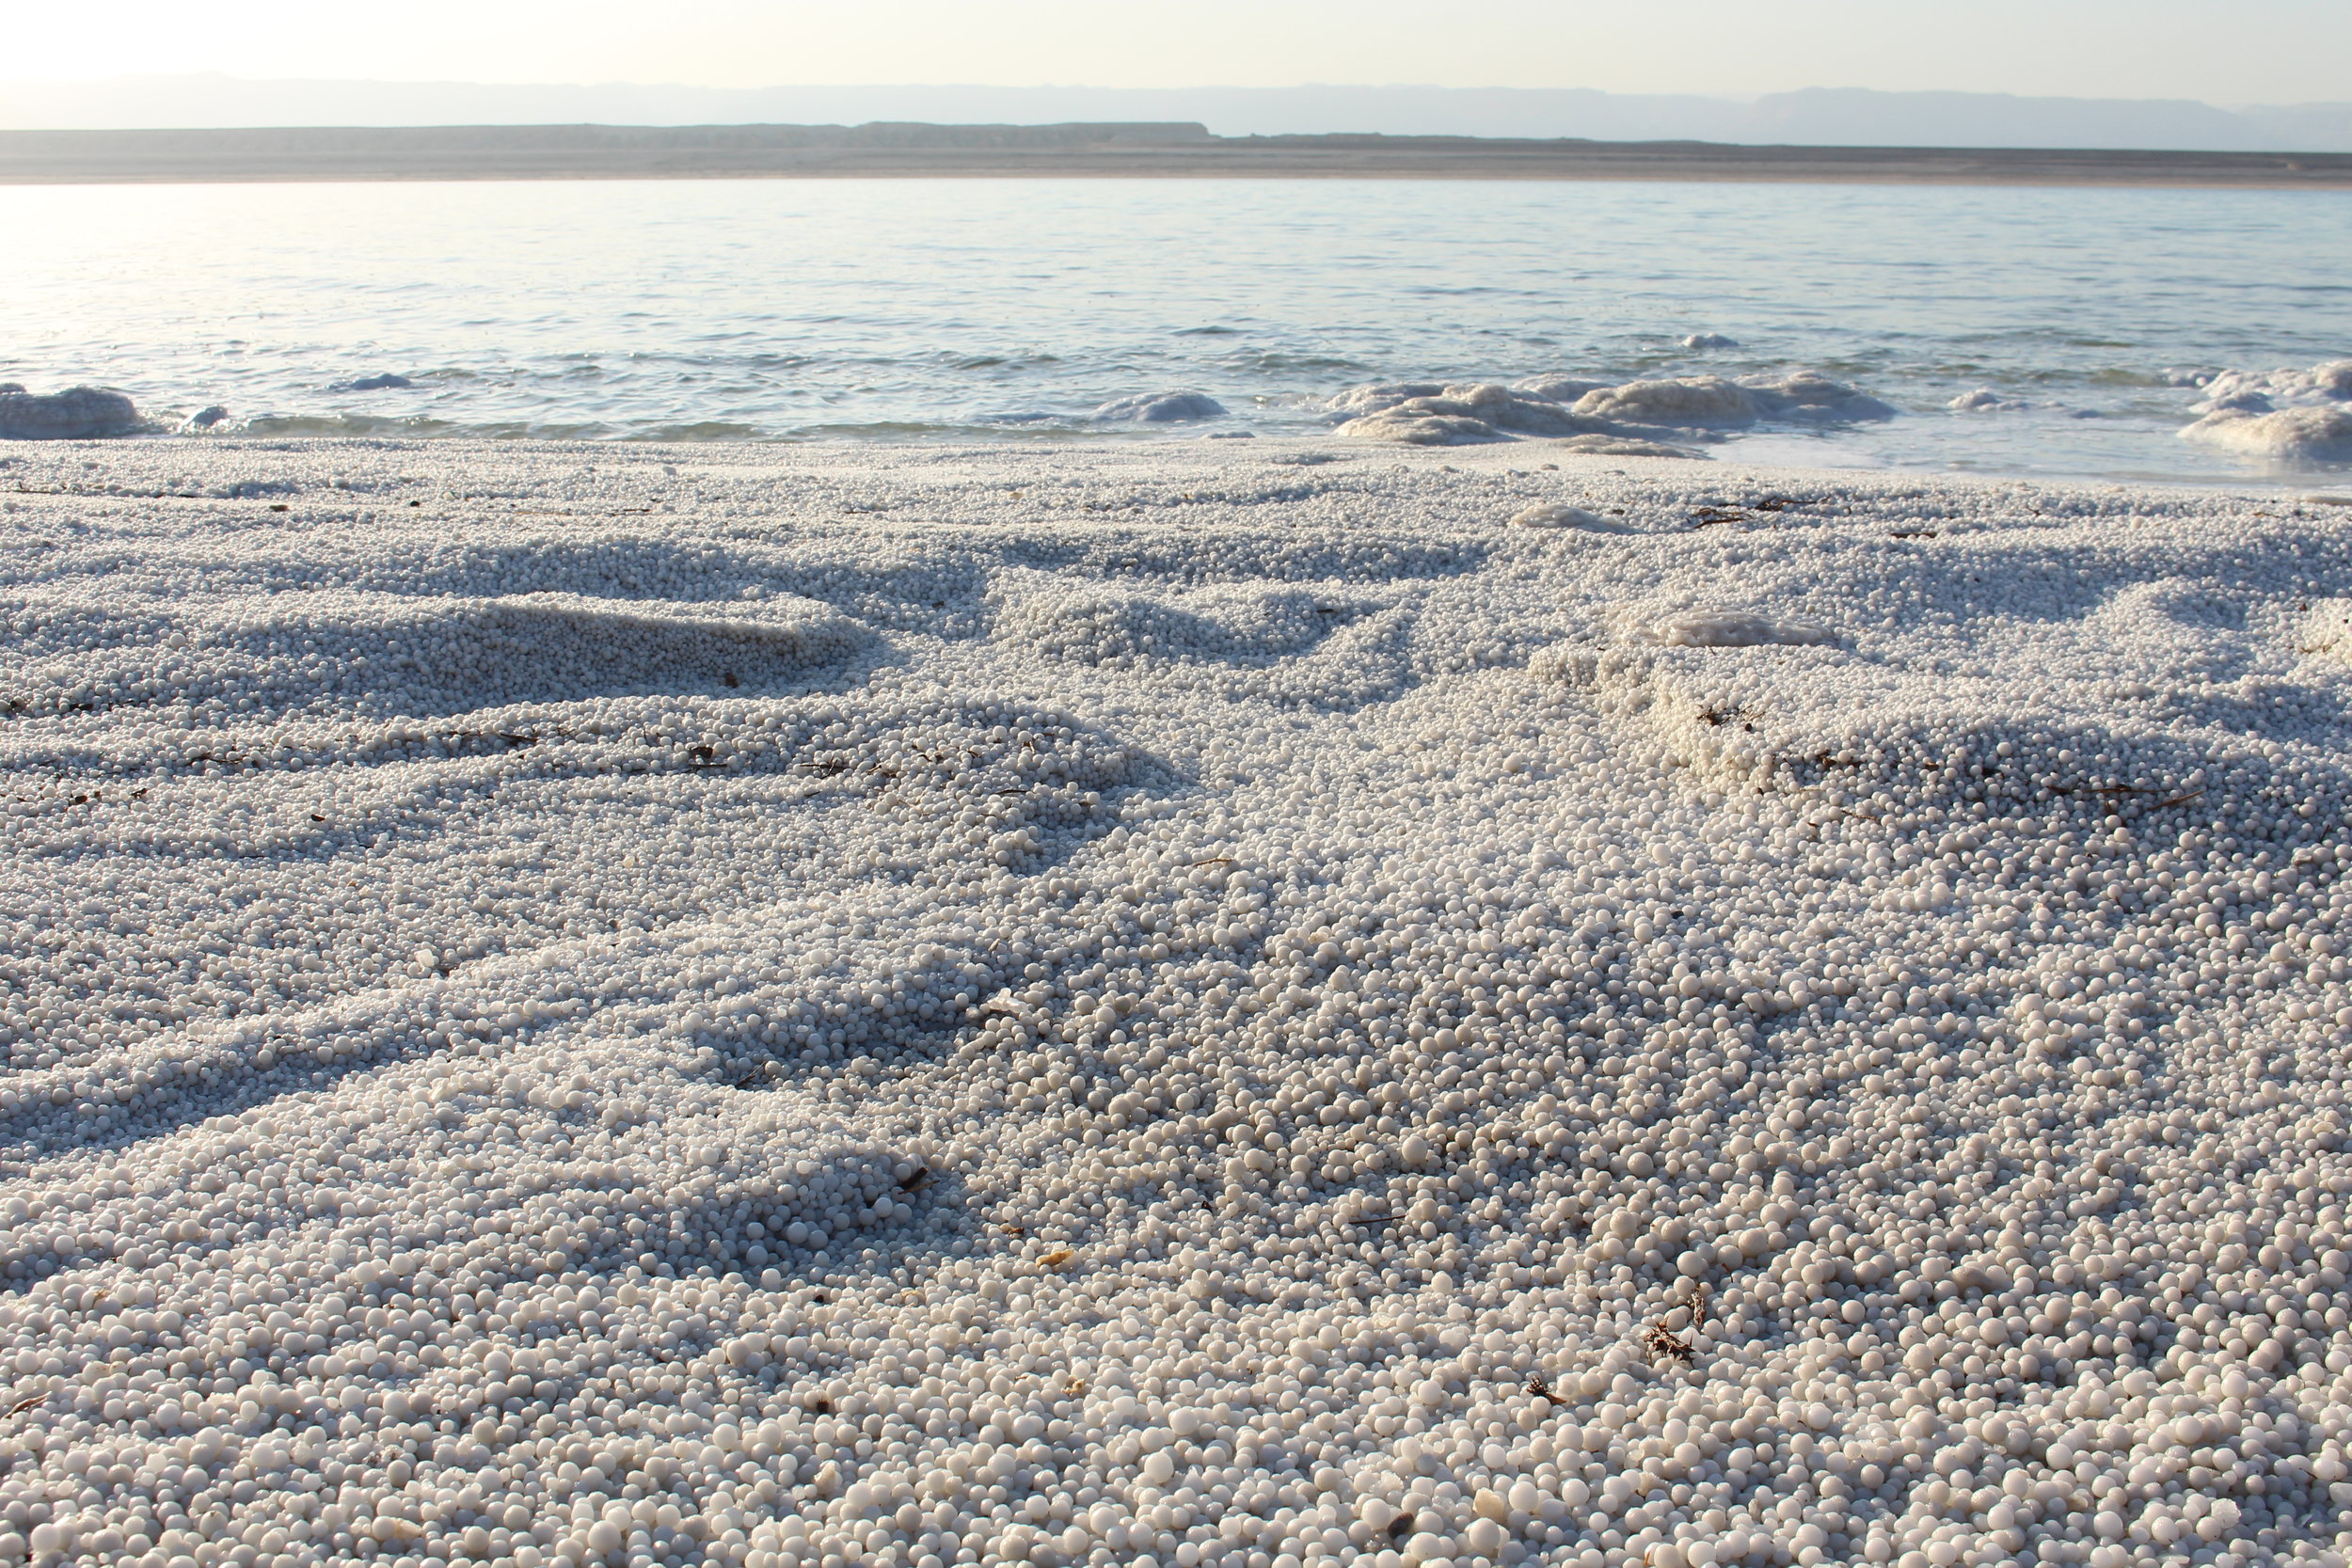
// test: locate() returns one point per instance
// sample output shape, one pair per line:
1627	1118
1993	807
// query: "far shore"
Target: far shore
1067	151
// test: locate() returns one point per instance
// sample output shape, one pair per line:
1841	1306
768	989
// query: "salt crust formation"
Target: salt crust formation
76	414
783	1006
1561	515
1736	629
1475	413
2294	416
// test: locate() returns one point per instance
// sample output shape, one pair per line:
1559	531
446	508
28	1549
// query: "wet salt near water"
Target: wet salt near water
1264	1005
2071	324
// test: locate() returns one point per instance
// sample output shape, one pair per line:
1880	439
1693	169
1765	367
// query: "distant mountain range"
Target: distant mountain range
1820	117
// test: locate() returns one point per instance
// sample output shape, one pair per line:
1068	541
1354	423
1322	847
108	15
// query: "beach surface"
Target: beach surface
1258	1003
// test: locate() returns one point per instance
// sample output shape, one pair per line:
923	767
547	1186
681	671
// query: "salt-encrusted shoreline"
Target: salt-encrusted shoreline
1200	1003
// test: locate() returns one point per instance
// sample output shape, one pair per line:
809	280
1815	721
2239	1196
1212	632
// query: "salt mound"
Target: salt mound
2292	415
2261	391
1539	406
1561	515
1709	339
76	414
1389	413
1698	403
1810	396
2321	434
1158	408
1556	386
1735	628
1379	397
1983	400
1413	427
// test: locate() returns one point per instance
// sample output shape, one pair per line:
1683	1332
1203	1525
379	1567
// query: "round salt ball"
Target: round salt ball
1070	1164
1548	514
1736	629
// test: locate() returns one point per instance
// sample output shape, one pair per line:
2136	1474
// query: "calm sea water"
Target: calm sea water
907	309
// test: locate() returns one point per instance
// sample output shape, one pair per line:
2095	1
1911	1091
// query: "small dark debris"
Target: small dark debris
1401	1526
729	677
1912	534
279	506
916	1180
316	817
1664	1341
821	1406
416	503
1542	1390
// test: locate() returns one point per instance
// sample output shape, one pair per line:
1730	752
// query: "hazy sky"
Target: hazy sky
2221	51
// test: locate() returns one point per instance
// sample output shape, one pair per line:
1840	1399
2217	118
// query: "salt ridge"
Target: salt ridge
787	1007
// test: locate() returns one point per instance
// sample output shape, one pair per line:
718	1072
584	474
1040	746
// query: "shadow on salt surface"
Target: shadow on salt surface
1821	721
1085	623
382	655
591	840
1361	558
1326	647
709	1177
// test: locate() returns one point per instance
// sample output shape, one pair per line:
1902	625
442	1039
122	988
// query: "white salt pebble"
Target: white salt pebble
1735	628
1559	515
1166	1007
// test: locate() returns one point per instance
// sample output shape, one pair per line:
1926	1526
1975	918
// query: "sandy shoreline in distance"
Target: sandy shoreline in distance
1287	1003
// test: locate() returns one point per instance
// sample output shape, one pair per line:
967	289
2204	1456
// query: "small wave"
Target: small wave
701	430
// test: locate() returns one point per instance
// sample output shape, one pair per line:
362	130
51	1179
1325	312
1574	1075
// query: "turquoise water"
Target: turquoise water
911	309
